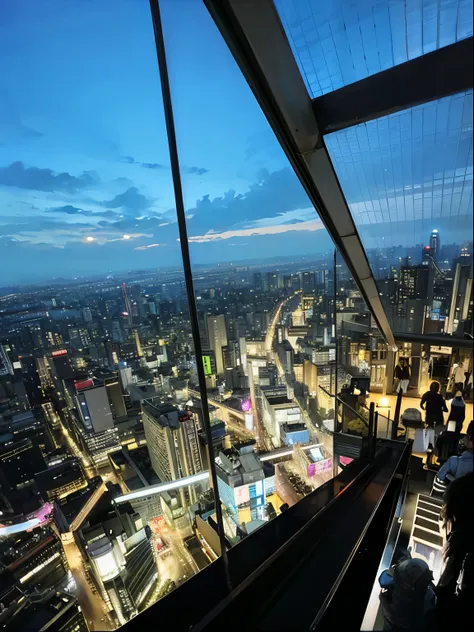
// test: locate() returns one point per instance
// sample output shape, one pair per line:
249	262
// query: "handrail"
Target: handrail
297	556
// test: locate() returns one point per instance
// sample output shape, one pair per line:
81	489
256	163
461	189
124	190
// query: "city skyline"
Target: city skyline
84	167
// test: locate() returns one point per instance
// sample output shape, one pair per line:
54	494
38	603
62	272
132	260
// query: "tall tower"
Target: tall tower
217	340
434	244
127	303
173	444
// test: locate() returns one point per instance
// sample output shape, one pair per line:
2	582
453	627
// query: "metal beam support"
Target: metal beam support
427	78
255	36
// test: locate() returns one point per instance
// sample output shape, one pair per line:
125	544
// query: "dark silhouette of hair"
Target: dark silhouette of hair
458	508
434	387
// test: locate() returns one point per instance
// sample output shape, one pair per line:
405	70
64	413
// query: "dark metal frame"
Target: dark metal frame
432	76
183	237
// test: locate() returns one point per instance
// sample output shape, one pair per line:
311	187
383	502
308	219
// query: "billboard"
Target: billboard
206	360
324	465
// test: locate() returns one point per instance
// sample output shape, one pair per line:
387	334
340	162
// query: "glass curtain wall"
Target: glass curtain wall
340	42
407	179
263	280
97	364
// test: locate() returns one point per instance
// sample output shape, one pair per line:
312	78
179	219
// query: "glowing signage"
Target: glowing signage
206	360
246	406
82	384
59	352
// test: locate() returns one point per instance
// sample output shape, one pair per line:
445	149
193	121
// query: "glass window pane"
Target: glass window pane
264	305
407	179
95	337
339	42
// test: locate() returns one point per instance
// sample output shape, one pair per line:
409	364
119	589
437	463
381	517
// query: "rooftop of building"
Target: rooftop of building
39	610
279	400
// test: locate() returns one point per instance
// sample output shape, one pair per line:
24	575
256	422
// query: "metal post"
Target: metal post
183	237
396	417
374	437
335	340
370	435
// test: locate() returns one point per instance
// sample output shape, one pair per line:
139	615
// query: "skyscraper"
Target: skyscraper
435	244
172	440
217	331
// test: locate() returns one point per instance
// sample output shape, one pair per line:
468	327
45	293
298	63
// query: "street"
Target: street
92	605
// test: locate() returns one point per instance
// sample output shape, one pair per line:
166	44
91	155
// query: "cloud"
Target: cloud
74	210
68	209
32	227
130	160
152	165
130	199
273	195
312	226
35	178
149	246
199	171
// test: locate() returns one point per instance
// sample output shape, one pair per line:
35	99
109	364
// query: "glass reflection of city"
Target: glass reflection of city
106	501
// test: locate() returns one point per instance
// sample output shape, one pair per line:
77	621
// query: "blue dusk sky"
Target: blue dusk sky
85	183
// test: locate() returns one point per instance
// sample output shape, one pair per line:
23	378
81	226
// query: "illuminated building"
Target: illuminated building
276	410
94	422
461	299
241	480
217	333
34	558
121	561
173	442
116	400
60	480
6	367
19	462
435	244
47	611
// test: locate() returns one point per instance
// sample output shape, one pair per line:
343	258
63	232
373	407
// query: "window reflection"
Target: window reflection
407	179
339	42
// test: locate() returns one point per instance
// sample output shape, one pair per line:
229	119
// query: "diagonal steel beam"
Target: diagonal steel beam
432	76
256	38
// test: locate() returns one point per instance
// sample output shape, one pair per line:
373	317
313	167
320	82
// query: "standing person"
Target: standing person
433	403
459	377
402	374
458	411
455	589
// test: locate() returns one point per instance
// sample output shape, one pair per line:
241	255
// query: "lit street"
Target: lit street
92	604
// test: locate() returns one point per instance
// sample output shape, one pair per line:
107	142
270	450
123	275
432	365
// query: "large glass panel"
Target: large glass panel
262	265
95	340
408	181
363	374
339	42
